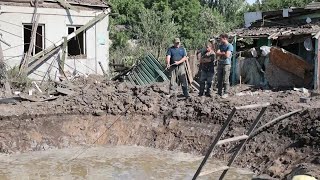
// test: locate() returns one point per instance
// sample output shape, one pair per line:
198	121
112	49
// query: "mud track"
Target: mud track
156	120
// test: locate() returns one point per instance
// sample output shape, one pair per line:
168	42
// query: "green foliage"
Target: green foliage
18	81
155	29
154	23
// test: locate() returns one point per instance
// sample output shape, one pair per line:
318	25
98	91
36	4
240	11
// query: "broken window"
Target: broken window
39	41
76	46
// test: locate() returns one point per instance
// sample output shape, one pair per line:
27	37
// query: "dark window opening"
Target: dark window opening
39	40
76	46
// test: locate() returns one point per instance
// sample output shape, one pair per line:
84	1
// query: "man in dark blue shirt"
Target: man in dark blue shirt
176	56
224	65
207	60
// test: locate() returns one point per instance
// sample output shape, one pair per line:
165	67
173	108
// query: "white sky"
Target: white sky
251	1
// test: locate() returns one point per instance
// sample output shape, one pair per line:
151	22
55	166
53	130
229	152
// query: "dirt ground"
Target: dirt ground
148	116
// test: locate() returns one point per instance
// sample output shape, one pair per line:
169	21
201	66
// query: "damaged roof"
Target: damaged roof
283	23
276	32
81	4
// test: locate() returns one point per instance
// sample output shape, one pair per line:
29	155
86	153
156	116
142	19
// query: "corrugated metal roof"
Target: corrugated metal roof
275	32
313	5
147	70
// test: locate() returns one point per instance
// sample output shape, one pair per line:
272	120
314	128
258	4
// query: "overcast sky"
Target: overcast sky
251	1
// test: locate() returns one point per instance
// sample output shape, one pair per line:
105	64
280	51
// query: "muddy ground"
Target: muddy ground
148	116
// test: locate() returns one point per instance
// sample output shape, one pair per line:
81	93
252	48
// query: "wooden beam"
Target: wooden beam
237	138
316	78
66	5
234	62
6	82
214	143
102	69
36	57
243	142
280	118
63	57
253	106
34	65
27	56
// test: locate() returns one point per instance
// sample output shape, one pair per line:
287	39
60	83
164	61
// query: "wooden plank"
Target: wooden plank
102	69
63	57
290	62
189	71
7	86
66	5
48	72
34	99
189	76
237	138
26	58
280	118
317	65
65	91
243	142
253	106
34	65
214	143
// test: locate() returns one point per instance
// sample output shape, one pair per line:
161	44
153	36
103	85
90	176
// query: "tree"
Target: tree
211	23
156	29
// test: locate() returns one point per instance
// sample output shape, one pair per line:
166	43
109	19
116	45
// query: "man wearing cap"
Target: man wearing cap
176	56
224	65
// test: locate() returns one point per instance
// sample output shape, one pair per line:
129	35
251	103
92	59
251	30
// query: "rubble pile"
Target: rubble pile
292	142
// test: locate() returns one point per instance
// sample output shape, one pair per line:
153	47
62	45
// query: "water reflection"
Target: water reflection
121	163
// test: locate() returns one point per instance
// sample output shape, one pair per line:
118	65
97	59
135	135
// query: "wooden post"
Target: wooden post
27	56
243	142
63	57
234	62
66	5
6	82
316	66
34	65
214	143
102	69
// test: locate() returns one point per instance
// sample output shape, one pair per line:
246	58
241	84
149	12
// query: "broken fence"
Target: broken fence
147	70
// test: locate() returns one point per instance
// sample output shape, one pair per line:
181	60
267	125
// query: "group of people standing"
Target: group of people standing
212	58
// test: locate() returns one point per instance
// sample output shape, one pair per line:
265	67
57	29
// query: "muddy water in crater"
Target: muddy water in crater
123	162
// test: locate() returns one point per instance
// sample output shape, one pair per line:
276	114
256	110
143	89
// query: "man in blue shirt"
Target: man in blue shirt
176	56
224	65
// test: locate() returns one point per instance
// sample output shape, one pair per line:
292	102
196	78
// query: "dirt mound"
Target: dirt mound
189	125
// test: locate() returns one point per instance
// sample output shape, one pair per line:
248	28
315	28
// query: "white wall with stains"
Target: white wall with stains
56	22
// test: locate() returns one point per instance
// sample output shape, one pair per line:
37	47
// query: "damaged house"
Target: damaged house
279	48
55	38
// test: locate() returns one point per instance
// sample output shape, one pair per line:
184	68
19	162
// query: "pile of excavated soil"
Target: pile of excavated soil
158	120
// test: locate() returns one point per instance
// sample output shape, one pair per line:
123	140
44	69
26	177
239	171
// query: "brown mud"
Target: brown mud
149	117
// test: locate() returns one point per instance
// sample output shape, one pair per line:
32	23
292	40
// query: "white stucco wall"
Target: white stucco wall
55	21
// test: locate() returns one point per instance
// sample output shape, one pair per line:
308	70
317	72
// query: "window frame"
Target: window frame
80	56
43	37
